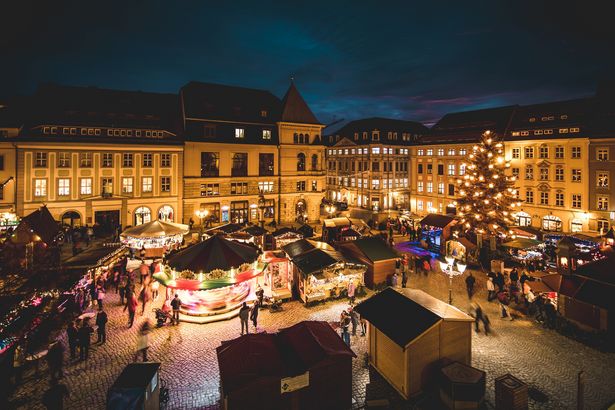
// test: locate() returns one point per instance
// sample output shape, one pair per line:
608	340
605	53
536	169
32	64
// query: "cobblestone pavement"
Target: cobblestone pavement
540	357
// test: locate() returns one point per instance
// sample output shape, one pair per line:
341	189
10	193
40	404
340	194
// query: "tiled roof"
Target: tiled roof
384	126
468	126
295	109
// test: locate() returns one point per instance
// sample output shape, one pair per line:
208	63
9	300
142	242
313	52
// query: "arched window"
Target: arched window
301	161
296	138
306	139
165	213
315	162
143	215
300	138
523	219
71	218
551	223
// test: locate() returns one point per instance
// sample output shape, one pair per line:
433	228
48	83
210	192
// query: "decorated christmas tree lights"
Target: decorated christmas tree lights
487	198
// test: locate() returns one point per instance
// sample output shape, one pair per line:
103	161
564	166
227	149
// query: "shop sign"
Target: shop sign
290	384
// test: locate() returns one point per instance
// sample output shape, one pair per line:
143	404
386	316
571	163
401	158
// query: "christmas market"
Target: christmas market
156	237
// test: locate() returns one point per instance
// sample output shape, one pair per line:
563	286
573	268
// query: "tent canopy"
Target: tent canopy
39	225
213	253
521	243
156	229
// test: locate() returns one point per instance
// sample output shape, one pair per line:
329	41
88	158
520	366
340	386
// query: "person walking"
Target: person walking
155	286
344	325
19	360
85	331
100	296
351	292
131	305
143	341
73	339
144	297
254	315
490	289
470	281
55	360
101	322
354	320
244	312
260	295
175	305
122	287
394	280
504	302
53	398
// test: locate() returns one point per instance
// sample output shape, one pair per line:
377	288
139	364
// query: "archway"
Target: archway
301	211
165	213
523	219
142	215
71	218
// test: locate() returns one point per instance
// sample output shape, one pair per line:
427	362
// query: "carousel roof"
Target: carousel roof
156	229
213	253
521	243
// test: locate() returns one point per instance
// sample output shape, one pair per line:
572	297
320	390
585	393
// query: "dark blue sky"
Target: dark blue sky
410	59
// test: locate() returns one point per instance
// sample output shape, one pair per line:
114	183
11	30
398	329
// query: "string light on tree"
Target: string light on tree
489	200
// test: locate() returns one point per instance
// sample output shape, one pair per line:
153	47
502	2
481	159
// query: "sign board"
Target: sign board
290	384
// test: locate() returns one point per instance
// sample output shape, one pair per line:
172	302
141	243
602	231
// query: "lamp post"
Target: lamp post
202	214
448	268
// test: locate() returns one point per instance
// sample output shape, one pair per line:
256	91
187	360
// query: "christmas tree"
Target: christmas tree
486	195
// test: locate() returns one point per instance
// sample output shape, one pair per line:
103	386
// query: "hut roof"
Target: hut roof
213	253
296	248
156	229
439	221
521	243
255	230
226	228
374	248
384	309
39	222
600	270
313	261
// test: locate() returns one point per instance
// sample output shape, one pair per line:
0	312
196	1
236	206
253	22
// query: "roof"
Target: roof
313	261
295	109
296	248
226	228
156	229
255	230
39	222
468	126
229	103
437	220
601	270
384	309
374	248
521	243
136	375
213	253
384	126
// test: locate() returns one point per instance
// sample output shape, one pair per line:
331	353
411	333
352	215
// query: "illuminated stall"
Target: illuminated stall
156	237
284	236
213	277
277	277
435	231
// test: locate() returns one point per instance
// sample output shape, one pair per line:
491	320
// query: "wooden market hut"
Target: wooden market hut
436	230
374	252
409	333
284	236
304	366
38	226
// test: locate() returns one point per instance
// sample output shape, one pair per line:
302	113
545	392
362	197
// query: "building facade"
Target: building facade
368	164
103	157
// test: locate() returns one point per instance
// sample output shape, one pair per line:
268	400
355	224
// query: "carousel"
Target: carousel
212	278
156	237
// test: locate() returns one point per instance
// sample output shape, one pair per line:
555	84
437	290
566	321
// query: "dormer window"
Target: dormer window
264	113
240	133
375	136
356	136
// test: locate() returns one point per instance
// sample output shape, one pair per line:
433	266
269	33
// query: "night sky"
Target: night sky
412	60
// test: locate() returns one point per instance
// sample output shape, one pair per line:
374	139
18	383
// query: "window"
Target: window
429	152
576	175
451	169
516	153
375	136
440	169
529	172
529	152
63	187
265	164
63	159
552	223
524	219
603	226
147	184
301	161
86	186
462	169
127	187
603	203
463	151
544	198
107	160
440	152
419	205
559	152
40	159
574	129
40	187
300	186
515	172
147	159
127	160
576	201
602	154
544	152
451	151
602	179
85	160
240	132
537	132
210	189
419	169
239	188
315	162
142	215
559	199
265	186
376	150
210	164
529	196
430	168
429	187
1	162
239	211
559	173
440	188
266	134
419	186
544	173
451	189
420	152
165	184
165	160
576	152
375	184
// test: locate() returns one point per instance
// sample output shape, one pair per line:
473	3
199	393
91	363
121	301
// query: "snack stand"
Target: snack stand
284	236
277	278
212	277
523	250
435	231
157	237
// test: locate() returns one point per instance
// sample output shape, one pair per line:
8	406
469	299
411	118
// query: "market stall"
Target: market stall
378	257
258	234
284	236
524	250
157	237
277	277
462	250
435	231
212	277
335	229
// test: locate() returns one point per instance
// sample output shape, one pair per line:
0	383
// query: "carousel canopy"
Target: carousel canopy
213	253
156	229
521	243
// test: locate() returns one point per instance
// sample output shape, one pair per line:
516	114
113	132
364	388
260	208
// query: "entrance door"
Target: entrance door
107	221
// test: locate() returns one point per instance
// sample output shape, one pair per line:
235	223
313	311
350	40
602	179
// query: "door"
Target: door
107	221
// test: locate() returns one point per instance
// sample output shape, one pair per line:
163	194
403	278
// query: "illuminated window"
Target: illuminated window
266	134
576	201
419	186
147	184
64	187
239	132
40	187
86	186
127	185
451	169
603	203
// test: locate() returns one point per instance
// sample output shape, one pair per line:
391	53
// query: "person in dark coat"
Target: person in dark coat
254	315
470	281
53	398
55	360
73	339
84	339
176	304
244	312
101	322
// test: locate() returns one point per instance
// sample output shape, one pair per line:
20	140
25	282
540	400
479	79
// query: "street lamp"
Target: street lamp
448	268
202	214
